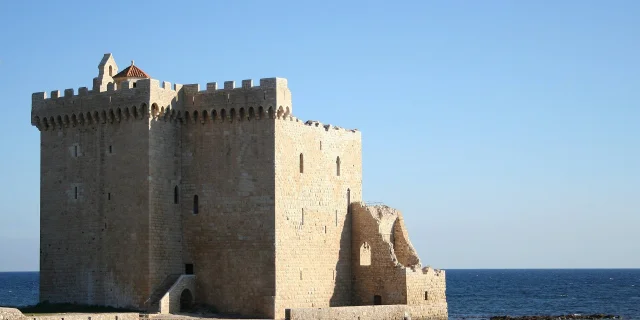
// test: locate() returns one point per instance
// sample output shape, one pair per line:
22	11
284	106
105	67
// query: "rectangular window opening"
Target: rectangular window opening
377	300
188	268
109	196
110	149
426	295
76	192
75	151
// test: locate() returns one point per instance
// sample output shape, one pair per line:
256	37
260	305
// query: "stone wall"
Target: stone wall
386	312
15	314
227	162
86	316
11	314
313	226
165	222
94	199
170	302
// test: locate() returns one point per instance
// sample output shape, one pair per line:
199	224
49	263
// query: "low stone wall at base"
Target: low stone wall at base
10	314
381	312
86	316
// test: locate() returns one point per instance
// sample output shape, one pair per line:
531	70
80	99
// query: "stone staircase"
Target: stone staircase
153	303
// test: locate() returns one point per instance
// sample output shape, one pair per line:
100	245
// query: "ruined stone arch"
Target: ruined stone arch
365	254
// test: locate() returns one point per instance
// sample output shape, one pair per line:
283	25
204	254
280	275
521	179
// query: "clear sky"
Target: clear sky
507	132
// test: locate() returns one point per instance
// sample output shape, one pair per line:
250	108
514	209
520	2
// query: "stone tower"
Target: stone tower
150	191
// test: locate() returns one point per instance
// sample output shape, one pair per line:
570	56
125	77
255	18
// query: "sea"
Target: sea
478	294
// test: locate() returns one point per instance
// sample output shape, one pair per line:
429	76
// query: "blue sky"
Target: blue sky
508	132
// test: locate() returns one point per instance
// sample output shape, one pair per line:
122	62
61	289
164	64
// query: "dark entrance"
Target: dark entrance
188	268
377	300
186	300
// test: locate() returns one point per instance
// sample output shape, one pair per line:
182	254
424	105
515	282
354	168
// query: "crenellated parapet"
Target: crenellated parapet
150	98
89	107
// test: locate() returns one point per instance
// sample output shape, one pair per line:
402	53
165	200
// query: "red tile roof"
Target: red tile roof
132	72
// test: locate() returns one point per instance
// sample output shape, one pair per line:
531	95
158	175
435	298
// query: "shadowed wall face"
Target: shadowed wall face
94	202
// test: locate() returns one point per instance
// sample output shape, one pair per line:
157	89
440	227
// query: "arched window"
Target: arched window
195	204
301	163
175	195
338	166
365	254
110	71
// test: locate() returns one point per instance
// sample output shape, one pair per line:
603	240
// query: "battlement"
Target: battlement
47	109
265	83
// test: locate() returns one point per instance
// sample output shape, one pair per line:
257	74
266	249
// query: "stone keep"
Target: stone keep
142	182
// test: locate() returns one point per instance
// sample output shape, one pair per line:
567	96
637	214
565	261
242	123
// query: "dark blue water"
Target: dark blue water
478	294
483	293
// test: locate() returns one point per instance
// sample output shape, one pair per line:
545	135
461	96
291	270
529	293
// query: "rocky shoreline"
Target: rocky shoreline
559	317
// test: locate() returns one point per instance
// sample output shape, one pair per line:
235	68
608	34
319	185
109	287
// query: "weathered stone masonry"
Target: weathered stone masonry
142	182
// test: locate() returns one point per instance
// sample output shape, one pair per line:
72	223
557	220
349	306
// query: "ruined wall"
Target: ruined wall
388	266
94	199
376	271
313	227
227	161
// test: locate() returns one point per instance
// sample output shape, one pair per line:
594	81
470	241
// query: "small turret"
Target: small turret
131	74
106	69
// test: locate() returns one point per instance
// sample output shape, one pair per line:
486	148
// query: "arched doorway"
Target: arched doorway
186	300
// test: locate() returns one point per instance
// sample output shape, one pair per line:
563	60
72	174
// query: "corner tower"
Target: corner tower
105	164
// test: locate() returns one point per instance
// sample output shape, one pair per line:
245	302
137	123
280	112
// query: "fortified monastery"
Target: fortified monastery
157	197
